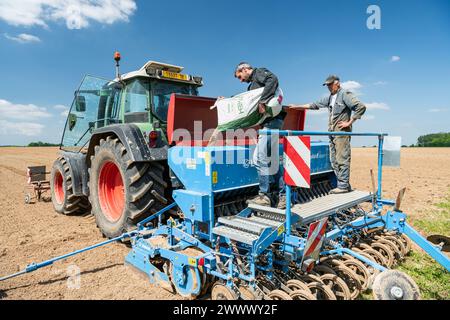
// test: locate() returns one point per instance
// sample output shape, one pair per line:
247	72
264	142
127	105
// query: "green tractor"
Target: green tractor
113	159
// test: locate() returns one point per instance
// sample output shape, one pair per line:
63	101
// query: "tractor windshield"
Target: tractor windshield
94	106
161	92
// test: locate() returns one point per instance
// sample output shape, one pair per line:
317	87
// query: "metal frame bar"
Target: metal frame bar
327	133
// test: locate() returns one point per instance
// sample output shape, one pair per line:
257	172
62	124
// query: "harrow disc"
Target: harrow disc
302	295
321	291
279	295
222	292
295	284
440	240
395	285
337	285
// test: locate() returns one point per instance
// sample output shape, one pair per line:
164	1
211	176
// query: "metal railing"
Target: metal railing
274	132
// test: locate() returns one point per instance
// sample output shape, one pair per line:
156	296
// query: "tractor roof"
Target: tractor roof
154	69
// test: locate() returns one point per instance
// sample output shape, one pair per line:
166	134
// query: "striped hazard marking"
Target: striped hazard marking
297	161
315	239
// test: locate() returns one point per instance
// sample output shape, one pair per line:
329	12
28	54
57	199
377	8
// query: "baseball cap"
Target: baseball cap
331	79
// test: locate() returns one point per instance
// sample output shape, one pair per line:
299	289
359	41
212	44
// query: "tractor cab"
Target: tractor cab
139	97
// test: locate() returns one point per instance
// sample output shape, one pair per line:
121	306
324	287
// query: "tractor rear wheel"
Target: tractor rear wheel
63	199
123	192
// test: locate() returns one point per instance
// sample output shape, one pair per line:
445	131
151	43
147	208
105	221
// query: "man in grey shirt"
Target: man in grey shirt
340	103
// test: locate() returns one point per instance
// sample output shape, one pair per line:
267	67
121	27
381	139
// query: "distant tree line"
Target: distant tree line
434	140
42	144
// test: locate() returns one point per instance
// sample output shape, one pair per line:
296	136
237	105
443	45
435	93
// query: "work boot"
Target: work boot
281	202
261	200
339	190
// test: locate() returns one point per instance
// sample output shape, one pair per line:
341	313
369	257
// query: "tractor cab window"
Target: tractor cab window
161	92
137	101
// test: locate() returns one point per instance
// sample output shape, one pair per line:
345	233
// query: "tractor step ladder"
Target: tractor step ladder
324	206
314	209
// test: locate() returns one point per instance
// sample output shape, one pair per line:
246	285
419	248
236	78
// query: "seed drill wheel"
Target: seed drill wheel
247	293
279	295
350	278
386	251
323	269
187	282
321	291
403	237
205	281
360	270
222	292
123	192
295	284
337	286
61	188
309	277
27	198
302	295
395	285
400	246
391	245
376	256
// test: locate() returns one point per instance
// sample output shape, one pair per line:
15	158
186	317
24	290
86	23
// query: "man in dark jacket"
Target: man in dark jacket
266	163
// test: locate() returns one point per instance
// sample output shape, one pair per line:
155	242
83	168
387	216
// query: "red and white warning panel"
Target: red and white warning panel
297	161
314	241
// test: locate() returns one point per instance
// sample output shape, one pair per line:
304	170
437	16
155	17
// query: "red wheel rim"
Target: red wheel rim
110	191
58	187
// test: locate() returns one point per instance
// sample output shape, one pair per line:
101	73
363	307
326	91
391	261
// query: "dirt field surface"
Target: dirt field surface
35	232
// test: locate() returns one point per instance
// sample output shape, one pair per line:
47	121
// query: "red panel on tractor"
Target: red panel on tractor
185	109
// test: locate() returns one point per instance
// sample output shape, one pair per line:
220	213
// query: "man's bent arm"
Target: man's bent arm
270	84
357	106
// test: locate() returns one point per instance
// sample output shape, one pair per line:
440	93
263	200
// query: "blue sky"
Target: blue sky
401	71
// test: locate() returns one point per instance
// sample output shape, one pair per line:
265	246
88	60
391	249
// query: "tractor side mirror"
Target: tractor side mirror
72	121
80	103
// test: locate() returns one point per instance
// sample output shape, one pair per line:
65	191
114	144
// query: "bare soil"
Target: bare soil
35	232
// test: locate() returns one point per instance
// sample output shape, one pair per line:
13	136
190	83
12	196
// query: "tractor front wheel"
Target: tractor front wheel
123	192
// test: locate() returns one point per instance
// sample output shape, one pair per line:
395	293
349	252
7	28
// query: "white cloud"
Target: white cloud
377	106
9	110
29	129
64	110
395	58
380	83
23	38
319	112
434	110
351	85
77	14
